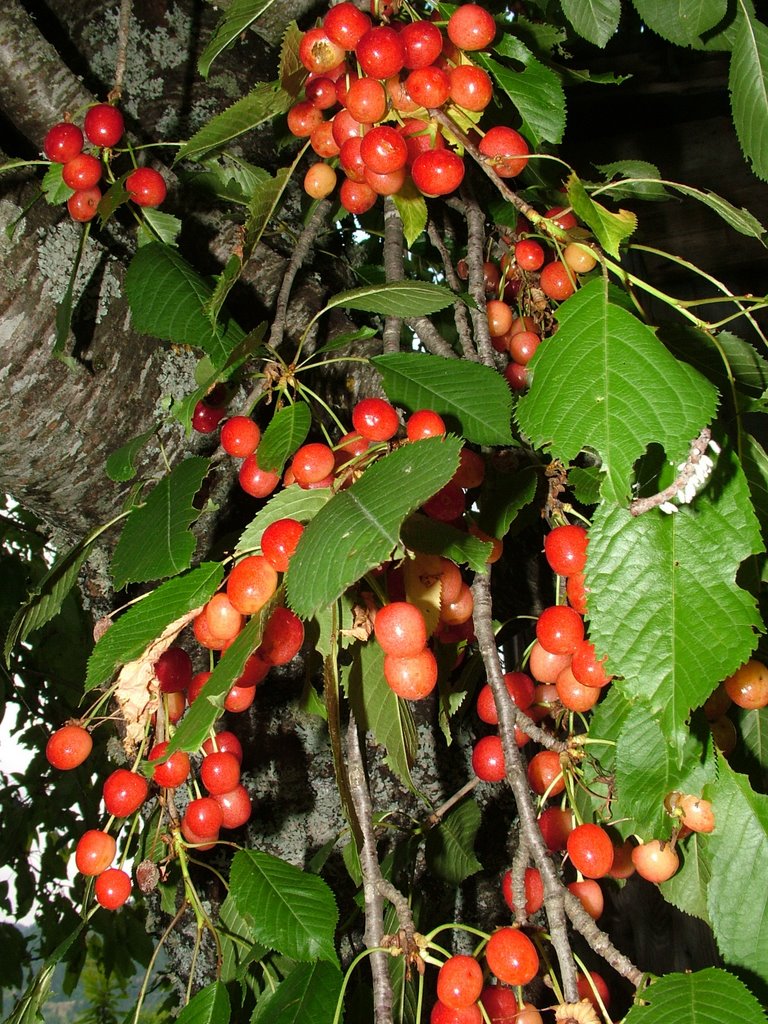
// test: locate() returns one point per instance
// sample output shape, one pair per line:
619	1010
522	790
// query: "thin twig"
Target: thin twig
459	308
123	28
518	781
599	941
698	448
440	812
476	281
393	270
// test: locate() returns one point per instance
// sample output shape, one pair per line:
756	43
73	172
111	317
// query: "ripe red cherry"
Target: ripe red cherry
375	419
573	694
95	852
586	991
385	184
220	772
520	689
470	87
488	759
63	142
559	629
534	890
240	436
425	423
312	463
82	171
251	584
748	686
173	670
357	197
622	866
279	542
225	742
197	683
83	205
239	698
586	669
206	417
224	621
412	678
235	807
172	771
502	1007
422	42
429	87
383	149
522	347
576	593
460	982
400	629
590	896
556	824
565	548
517	376
68	747
146	187
420	137
318	53
506	150
112	888
380	52
591	850
512	957
303	118
321	92
282	638
104	125
471	27
529	254
442	1014
655	861
346	24
564	220
124	792
557	281
366	100
203	817
437	172
254	480
545	773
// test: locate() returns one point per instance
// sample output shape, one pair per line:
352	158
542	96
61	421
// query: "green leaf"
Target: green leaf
752	727
739	219
379	710
360	527
610	229
167	296
680	21
625	186
739	847
208	1006
290	503
711	996
629	392
594	20
687	888
120	464
648	770
584	481
54	189
420	533
288	910
292	72
156	541
412	208
536	91
208	707
64	308
227	177
236	20
471	397
262	103
399	298
129	637
450	846
723	358
307	996
661	576
748	84
503	497
164	226
284	435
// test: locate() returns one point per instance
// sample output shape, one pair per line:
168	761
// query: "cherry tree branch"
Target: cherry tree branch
687	473
459	308
475	260
123	28
599	941
393	269
430	337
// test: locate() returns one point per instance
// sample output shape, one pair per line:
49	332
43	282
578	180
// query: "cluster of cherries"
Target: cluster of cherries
363	75
82	171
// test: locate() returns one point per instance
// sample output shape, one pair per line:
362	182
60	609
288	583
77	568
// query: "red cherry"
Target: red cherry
422	42
559	629
622	866
442	1014
171	771
557	281
207	417
506	149
380	52
220	772
282	637
173	670
279	542
447	505
502	1007
112	888
522	347
366	100
591	850
383	149
520	689
235	807
375	419
412	678
321	92
124	792
312	463
146	187
400	629
437	172
586	669
104	125
564	220
545	773
529	254
573	694
239	698
429	87
318	53
240	436
420	137
459	982
748	686
488	759
586	990
257	482
357	197
83	205
534	890
576	593
203	817
556	824
251	584
303	118
425	423
63	142
68	747
512	957
225	742
471	471
655	861
82	171
198	682
565	548
471	27
470	87
346	24
590	895
95	852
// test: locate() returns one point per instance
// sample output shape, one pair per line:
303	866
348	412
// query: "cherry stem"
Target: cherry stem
698	448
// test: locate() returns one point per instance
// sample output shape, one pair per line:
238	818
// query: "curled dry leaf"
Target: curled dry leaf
136	691
100	628
582	1012
362	619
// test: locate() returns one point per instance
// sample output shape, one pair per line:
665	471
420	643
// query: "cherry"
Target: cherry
575	695
95	852
235	807
400	629
173	670
488	759
323	143
748	686
366	100
545	773
522	347
206	417
303	118
346	24
557	281
586	990
717	704
81	172
556	824
420	137
698	815
576	593
312	463
146	187
257	482
534	890
529	254
591	850
622	866
511	956
563	219
460	610
173	770
83	205
220	772
251	584
425	423
203	817
240	436
198	682
422	42
398	96
459	982
520	689
225	742
380	52
112	888
500	317
442	1014
559	629
579	258
104	125
590	896
565	549
506	149
471	27
412	678
344	127
239	698
517	376
124	792
350	159
497	546
68	747
502	1007
321	92
63	142
544	666
437	172
375	419
282	637
357	197
471	471
724	735
319	53
446	505
383	149
586	669
429	87
470	87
